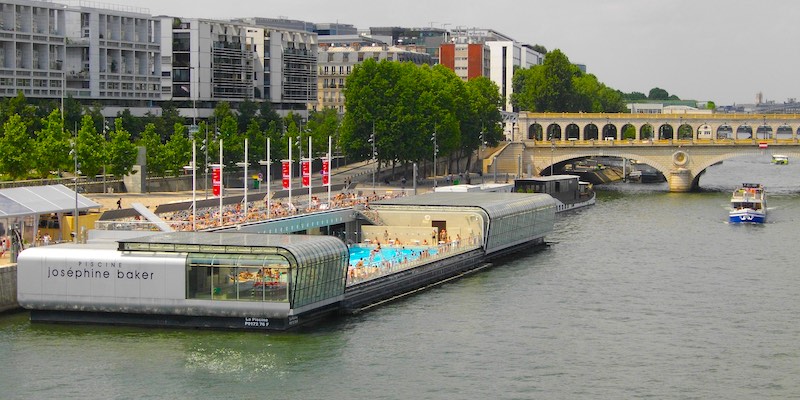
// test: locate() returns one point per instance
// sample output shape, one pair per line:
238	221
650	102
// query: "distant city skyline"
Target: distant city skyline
726	51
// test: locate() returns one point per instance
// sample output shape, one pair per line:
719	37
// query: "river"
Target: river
647	294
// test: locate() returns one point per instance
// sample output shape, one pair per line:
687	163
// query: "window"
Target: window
229	277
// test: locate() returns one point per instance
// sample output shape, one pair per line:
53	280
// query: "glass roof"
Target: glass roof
31	200
494	203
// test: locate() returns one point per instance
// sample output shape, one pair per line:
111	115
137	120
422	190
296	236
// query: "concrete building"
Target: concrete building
471	53
336	63
425	40
206	61
51	50
286	65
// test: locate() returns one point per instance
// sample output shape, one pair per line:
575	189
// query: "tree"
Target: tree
15	148
92	154
657	93
548	87
122	151
323	124
51	149
151	141
178	150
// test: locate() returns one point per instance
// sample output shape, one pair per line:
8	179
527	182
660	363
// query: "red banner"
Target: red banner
306	166
215	175
285	171
325	171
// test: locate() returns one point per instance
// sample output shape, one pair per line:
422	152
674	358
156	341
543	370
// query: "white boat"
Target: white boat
748	204
780	159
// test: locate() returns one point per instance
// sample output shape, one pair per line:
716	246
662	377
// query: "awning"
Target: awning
37	200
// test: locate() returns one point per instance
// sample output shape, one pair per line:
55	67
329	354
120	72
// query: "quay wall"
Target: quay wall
8	288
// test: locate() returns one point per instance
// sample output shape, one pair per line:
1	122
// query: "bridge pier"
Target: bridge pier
680	180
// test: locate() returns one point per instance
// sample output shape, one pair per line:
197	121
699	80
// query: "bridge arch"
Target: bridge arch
724	131
744	132
554	131
609	132
784	131
685	131
535	131
590	132
665	132
764	132
646	131
572	132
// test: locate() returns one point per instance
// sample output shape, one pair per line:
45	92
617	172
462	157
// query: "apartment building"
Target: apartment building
51	50
286	64
205	62
335	63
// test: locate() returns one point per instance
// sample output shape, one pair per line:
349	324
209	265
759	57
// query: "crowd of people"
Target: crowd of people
233	214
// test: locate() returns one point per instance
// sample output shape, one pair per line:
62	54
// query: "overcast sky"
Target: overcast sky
725	51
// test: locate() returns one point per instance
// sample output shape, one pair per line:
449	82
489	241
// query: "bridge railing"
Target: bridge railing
660	142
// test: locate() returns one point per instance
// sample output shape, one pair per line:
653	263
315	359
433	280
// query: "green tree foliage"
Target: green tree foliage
92	149
16	146
51	150
657	93
634	96
323	124
151	141
177	151
121	150
559	86
407	105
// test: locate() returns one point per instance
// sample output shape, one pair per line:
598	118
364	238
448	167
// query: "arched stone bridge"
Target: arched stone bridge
681	146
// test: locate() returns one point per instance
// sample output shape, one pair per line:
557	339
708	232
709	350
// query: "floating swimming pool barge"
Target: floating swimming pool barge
275	282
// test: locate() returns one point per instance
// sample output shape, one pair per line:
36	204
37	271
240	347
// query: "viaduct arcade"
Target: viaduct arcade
681	146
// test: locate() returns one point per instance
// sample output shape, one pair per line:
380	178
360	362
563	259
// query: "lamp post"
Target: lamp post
267	163
435	152
244	164
552	151
193	167
372	140
75	215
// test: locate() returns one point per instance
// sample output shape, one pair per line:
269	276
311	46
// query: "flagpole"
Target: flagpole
309	171
290	170
268	180
194	186
329	171
221	186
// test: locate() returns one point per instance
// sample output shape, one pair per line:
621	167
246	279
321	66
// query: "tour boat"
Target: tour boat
748	204
780	159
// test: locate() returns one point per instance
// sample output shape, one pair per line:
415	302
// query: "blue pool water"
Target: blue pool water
392	254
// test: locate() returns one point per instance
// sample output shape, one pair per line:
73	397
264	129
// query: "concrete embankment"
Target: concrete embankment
8	288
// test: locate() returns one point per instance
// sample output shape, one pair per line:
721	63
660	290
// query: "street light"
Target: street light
267	163
244	164
372	140
75	216
552	150
193	167
435	152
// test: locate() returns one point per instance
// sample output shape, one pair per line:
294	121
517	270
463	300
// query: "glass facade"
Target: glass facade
238	277
300	270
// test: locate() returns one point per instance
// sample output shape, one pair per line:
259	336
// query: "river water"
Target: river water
645	295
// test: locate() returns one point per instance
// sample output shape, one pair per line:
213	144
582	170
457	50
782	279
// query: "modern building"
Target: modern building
425	40
471	53
336	63
286	65
206	61
52	50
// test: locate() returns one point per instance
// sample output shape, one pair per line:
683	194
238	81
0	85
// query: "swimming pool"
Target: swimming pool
391	254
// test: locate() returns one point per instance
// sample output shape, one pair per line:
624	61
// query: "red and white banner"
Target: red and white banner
285	172
306	168
215	175
325	171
